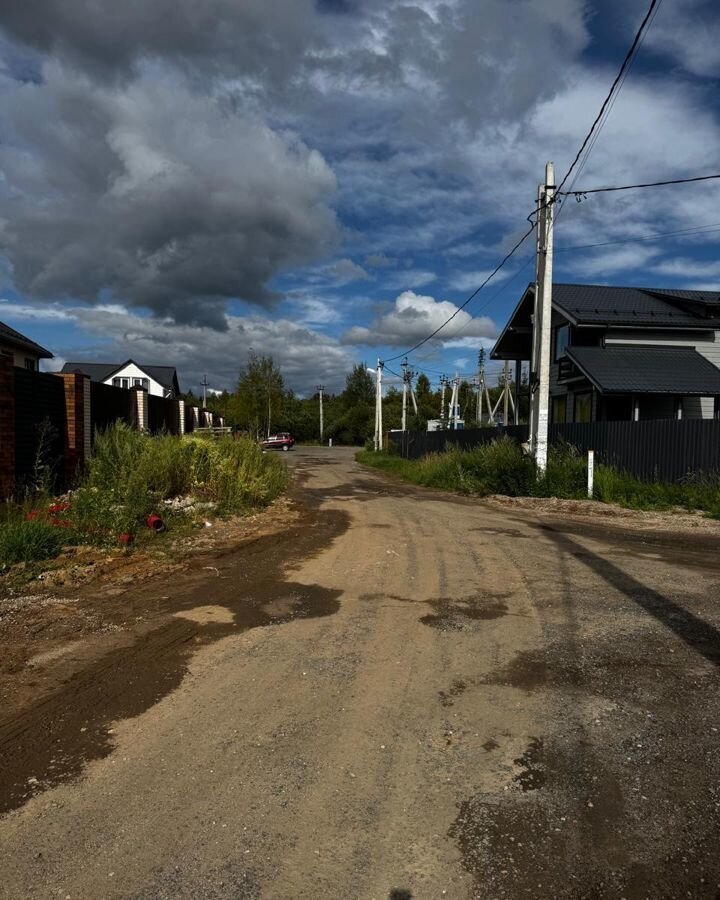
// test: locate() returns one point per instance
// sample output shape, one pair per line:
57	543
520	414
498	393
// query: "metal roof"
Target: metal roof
647	370
594	304
8	335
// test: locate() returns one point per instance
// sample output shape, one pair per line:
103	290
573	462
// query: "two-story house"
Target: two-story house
20	349
624	353
159	381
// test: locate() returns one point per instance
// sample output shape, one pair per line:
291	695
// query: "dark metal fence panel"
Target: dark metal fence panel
415	444
40	428
657	450
162	415
110	404
661	449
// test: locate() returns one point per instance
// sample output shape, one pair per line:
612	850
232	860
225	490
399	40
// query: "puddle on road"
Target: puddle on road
532	763
51	743
459	614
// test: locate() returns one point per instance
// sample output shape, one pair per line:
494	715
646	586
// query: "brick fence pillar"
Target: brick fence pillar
196	416
141	409
7	427
180	416
77	419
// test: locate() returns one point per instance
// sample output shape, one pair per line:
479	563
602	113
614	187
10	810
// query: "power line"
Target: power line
606	115
590	138
472	296
618	79
652	237
579	194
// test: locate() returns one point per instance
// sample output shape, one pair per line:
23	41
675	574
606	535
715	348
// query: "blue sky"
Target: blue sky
324	181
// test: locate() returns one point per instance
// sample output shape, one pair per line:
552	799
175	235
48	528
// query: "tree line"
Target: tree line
261	403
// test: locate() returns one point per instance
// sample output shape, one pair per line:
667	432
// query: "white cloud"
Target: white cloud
345	270
688	31
409	279
413	317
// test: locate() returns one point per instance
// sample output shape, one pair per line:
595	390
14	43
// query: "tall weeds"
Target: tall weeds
501	467
129	477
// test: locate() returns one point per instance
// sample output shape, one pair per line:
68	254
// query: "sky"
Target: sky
325	181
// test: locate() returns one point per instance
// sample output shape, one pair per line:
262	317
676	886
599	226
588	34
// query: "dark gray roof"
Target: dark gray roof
647	370
8	335
94	371
594	304
164	375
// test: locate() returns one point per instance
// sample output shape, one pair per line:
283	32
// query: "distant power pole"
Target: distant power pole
455	402
205	385
321	388
407	377
540	367
378	405
443	386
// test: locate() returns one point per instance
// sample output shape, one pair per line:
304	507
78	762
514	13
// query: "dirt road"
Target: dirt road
402	695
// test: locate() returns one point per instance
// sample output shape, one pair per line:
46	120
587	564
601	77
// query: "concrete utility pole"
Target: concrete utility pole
205	385
506	391
321	388
443	385
404	367
378	405
542	321
454	400
407	377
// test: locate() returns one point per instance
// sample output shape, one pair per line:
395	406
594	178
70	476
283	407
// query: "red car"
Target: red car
283	440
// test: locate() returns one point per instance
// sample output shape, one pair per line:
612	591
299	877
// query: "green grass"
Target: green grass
129	477
31	541
502	468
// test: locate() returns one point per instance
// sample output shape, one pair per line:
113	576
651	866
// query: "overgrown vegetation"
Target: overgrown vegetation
130	477
502	467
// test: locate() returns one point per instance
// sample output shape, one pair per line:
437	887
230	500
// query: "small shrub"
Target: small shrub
30	540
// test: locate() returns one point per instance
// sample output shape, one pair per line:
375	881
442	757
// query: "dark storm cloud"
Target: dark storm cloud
109	37
154	196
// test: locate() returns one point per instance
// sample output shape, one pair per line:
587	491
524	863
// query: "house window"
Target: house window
121	382
583	407
141	383
559	410
562	339
30	364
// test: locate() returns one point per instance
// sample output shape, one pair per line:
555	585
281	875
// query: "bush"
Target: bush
565	475
23	540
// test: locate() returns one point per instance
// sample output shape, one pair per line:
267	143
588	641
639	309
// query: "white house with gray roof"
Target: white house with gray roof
160	381
622	353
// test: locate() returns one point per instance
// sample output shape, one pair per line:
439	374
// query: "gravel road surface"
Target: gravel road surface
402	694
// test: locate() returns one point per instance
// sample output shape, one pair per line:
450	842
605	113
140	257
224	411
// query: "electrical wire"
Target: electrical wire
588	143
472	296
631	187
704	229
609	98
